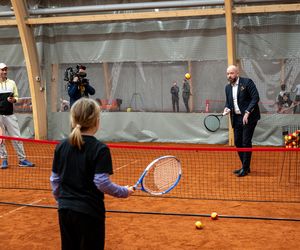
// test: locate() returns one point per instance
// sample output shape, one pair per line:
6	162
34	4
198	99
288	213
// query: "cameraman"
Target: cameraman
79	86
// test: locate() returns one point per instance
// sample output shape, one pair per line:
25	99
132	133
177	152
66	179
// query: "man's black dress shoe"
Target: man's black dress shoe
243	173
237	171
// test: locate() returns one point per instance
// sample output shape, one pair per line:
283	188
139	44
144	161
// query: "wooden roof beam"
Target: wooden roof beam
38	97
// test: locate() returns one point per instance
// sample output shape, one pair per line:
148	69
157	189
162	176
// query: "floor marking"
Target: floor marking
19	208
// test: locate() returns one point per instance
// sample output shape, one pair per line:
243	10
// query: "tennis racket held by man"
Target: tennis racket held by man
213	122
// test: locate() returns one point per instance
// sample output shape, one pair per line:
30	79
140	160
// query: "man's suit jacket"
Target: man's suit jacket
247	97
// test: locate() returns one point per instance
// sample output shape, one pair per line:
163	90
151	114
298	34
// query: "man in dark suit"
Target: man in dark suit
242	103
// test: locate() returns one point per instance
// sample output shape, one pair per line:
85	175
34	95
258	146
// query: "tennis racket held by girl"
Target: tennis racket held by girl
160	176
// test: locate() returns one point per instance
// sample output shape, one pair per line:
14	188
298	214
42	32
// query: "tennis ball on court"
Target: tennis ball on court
214	216
187	76
199	225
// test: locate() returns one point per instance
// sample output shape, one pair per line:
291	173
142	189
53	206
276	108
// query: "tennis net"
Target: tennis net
207	171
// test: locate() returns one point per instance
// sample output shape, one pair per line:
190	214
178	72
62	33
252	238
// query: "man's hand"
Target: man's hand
245	118
11	99
75	79
226	111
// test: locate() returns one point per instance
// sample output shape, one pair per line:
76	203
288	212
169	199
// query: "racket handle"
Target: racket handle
226	111
131	190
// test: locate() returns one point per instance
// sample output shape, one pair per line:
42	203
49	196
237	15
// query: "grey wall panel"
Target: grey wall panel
169	127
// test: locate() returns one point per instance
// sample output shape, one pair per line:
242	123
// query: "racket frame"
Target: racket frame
219	119
140	181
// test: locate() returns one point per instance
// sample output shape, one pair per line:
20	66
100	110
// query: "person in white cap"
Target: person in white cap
8	121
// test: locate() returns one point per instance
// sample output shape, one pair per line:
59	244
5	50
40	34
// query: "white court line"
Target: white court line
19	208
126	165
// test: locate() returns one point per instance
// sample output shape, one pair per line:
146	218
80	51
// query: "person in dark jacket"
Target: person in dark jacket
186	92
80	86
242	100
175	96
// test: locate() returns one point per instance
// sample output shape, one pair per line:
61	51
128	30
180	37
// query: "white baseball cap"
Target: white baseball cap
3	66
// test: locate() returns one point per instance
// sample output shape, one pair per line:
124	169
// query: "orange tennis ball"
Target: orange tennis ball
199	225
214	216
187	76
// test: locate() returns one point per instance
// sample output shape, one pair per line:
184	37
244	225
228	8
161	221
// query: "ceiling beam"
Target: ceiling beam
215	11
38	98
231	53
271	8
125	16
8	22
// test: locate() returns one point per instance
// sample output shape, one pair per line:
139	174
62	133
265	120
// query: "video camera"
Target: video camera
70	73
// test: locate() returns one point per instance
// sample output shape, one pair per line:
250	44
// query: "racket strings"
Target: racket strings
162	176
212	123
